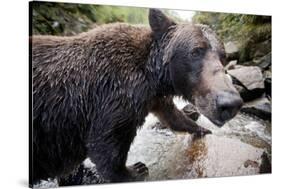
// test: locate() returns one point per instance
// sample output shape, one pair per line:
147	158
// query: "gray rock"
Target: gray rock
267	84
261	49
171	155
248	80
267	74
260	107
231	65
263	62
231	50
231	47
265	166
250	76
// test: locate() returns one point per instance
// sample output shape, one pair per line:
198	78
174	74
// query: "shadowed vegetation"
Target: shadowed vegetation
250	31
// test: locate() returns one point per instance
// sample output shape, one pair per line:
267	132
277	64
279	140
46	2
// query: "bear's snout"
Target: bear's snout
228	104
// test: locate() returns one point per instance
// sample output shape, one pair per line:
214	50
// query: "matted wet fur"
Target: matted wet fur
92	91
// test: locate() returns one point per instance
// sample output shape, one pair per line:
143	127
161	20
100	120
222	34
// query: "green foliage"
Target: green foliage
61	18
109	14
248	30
69	19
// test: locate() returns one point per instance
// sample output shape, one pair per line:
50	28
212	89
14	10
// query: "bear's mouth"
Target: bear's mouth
218	123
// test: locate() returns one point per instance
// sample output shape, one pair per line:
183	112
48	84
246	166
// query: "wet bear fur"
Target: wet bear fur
92	91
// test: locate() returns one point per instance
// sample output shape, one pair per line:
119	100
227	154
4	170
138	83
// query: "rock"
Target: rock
231	50
182	157
265	166
267	74
260	107
191	112
231	65
251	163
267	84
248	80
253	50
231	47
173	155
248	95
263	62
267	81
261	49
250	76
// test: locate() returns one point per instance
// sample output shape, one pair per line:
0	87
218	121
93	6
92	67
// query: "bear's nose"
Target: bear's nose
228	104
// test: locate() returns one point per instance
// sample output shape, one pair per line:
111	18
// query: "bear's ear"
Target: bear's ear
159	22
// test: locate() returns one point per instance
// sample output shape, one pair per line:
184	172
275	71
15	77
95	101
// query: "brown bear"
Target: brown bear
92	91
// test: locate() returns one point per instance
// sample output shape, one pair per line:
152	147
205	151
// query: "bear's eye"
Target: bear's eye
197	53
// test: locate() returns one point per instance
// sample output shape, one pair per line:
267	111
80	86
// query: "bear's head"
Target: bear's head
194	57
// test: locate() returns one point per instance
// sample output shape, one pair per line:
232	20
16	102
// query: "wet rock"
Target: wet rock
260	107
263	62
231	65
184	157
171	155
267	74
261	49
248	80
231	50
267	81
231	47
251	163
191	112
267	84
250	76
265	166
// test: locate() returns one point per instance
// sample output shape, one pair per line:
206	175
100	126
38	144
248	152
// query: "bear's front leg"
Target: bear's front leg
169	115
108	147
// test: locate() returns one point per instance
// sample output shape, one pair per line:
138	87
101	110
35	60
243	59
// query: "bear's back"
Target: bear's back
72	73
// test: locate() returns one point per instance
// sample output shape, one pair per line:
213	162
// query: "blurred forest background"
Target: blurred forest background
250	33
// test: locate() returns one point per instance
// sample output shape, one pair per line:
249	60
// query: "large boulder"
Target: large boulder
248	80
170	155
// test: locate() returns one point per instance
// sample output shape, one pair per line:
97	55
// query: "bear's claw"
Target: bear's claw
201	132
139	171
